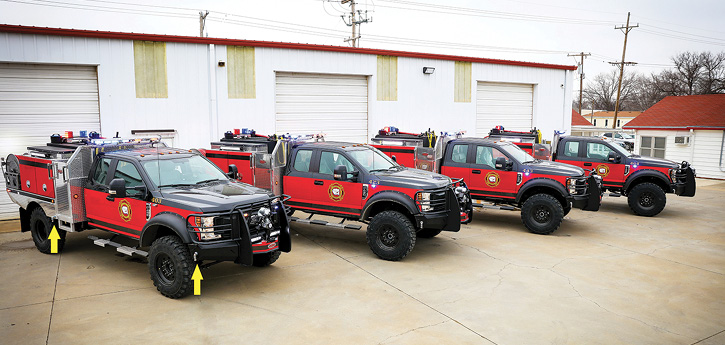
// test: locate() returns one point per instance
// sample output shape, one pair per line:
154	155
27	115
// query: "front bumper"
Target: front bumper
684	182
239	241
448	219
591	198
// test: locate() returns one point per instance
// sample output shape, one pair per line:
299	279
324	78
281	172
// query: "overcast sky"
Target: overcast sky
526	30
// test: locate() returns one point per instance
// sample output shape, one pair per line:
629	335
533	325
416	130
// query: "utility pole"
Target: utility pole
355	21
625	29
202	22
582	55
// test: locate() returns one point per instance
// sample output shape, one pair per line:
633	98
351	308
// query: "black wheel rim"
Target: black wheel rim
388	236
42	230
165	268
542	214
646	199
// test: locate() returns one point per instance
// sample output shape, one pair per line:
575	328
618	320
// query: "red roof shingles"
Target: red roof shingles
683	112
578	120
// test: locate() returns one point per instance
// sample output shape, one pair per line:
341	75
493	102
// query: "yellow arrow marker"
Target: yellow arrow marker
54	237
197	278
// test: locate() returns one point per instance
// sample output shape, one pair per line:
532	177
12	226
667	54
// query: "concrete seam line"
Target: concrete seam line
52	304
701	340
396	288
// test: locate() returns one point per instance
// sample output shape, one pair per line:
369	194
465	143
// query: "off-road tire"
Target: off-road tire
542	214
428	233
171	267
646	199
40	228
567	208
266	259
391	235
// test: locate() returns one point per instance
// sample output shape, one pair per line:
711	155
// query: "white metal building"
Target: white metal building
193	89
685	128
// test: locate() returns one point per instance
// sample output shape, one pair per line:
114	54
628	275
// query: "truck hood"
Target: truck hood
411	178
215	197
652	162
554	168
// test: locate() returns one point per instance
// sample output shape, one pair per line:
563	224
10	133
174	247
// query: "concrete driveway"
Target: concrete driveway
604	277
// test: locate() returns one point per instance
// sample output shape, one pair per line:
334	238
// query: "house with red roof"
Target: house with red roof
685	128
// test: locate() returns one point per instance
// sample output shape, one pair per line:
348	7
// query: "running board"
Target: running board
325	223
615	195
119	247
496	207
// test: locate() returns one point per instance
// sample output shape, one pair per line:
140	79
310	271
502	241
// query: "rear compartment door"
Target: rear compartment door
455	162
596	157
298	181
335	196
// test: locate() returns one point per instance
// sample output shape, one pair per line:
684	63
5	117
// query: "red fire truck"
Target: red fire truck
172	201
499	174
643	180
349	181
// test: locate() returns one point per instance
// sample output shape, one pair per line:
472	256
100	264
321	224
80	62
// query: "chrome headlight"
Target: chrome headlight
423	199
571	184
673	175
205	225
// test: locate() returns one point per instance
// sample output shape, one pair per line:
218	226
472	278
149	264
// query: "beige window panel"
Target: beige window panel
387	78
240	72
149	61
462	82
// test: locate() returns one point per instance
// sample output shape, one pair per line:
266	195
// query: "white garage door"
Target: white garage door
39	100
504	104
336	105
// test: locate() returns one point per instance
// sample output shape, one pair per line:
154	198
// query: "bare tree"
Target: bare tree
601	93
694	74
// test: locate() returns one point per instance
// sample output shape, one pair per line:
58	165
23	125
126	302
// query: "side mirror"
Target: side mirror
614	157
502	163
117	188
340	173
234	172
395	159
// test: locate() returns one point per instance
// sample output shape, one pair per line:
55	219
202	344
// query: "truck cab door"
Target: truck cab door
455	162
298	181
96	191
487	180
596	156
342	196
568	153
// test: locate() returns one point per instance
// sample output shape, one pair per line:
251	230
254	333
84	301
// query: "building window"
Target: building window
595	122
387	78
149	62
619	123
240	72
653	147
462	82
606	123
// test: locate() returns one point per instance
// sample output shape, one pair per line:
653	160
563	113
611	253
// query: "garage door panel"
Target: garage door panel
336	105
39	100
503	104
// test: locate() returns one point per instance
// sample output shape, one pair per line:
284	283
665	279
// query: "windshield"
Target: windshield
182	171
625	136
373	160
620	149
517	153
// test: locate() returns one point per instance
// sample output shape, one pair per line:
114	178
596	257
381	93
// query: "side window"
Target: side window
129	173
608	135
571	149
488	155
329	160
598	151
459	153
302	160
99	175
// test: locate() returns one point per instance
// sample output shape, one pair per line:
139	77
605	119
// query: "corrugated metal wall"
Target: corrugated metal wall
199	108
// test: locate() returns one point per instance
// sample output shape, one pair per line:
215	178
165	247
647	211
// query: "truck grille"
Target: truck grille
431	200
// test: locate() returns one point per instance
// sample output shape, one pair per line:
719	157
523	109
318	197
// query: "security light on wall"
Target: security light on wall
428	70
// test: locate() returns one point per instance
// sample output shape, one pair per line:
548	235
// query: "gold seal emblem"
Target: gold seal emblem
124	210
602	170
492	179
336	192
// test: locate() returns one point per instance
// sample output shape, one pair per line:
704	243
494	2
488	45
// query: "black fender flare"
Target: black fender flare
170	220
390	196
542	182
647	173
